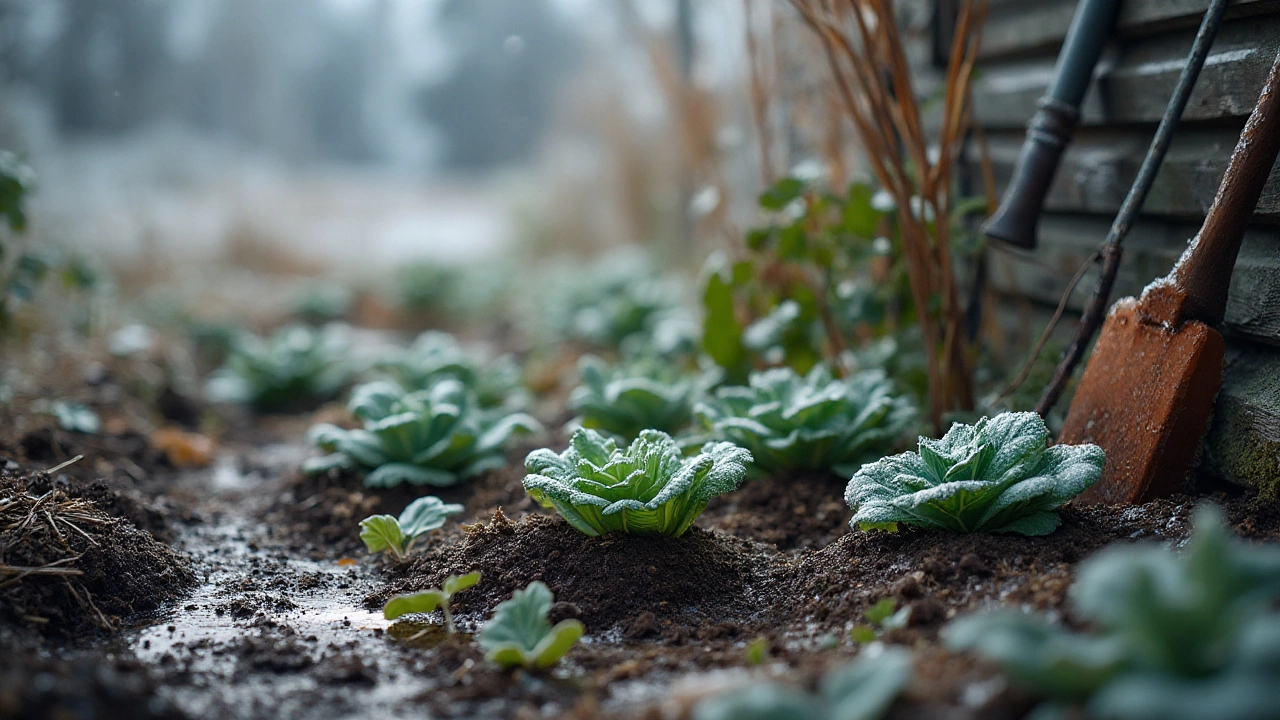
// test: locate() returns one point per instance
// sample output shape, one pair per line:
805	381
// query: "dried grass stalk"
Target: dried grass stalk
868	64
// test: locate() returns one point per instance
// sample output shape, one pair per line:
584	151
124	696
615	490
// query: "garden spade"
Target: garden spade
1149	387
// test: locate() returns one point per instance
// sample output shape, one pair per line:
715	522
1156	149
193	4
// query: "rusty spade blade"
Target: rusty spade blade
1148	390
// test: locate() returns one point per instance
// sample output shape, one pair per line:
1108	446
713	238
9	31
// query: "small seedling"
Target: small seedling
757	651
647	488
998	475
520	635
814	421
430	600
883	616
862	690
396	536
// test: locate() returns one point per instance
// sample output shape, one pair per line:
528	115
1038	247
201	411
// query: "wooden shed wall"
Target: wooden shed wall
1132	86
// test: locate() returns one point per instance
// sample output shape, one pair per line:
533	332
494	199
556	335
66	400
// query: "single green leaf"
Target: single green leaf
382	532
455	584
421	602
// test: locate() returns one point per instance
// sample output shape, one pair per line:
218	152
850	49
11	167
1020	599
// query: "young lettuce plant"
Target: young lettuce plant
862	690
813	421
430	437
1177	637
647	488
520	635
997	475
396	536
435	356
645	394
431	600
296	367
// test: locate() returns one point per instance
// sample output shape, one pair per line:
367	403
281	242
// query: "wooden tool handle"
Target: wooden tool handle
1204	273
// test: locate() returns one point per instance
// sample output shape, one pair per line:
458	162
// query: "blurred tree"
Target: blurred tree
509	58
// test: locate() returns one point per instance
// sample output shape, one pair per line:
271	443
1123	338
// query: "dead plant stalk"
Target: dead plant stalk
868	63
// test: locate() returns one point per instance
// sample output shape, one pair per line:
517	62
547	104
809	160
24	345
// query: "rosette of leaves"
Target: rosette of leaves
645	394
296	367
396	536
649	487
862	690
437	355
520	635
813	421
436	437
1190	635
997	475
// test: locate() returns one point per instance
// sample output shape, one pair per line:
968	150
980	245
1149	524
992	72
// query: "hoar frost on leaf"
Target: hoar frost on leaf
644	394
814	421
998	475
649	487
434	437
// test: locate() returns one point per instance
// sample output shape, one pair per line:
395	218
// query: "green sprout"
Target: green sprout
396	536
433	437
998	475
883	616
862	690
1190	635
431	600
813	422
296	367
644	394
520	635
647	488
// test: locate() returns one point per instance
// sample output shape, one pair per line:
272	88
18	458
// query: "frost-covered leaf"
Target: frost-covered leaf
1174	636
815	421
645	394
647	488
296	367
862	690
520	635
436	356
994	476
437	437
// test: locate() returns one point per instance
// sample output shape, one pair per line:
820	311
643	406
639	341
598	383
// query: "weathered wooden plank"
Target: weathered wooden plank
1134	83
1243	445
1101	164
1253	305
1026	27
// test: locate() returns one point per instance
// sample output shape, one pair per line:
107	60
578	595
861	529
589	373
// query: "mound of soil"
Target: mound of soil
320	514
941	574
637	579
69	567
792	512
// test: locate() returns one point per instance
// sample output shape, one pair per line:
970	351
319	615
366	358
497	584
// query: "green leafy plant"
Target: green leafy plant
862	690
437	355
431	600
430	437
296	367
645	394
997	475
396	536
813	421
17	181
647	488
619	301
883	616
520	635
1193	635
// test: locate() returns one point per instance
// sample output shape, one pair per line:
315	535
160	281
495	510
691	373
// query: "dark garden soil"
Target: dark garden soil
794	511
627	581
69	567
243	591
